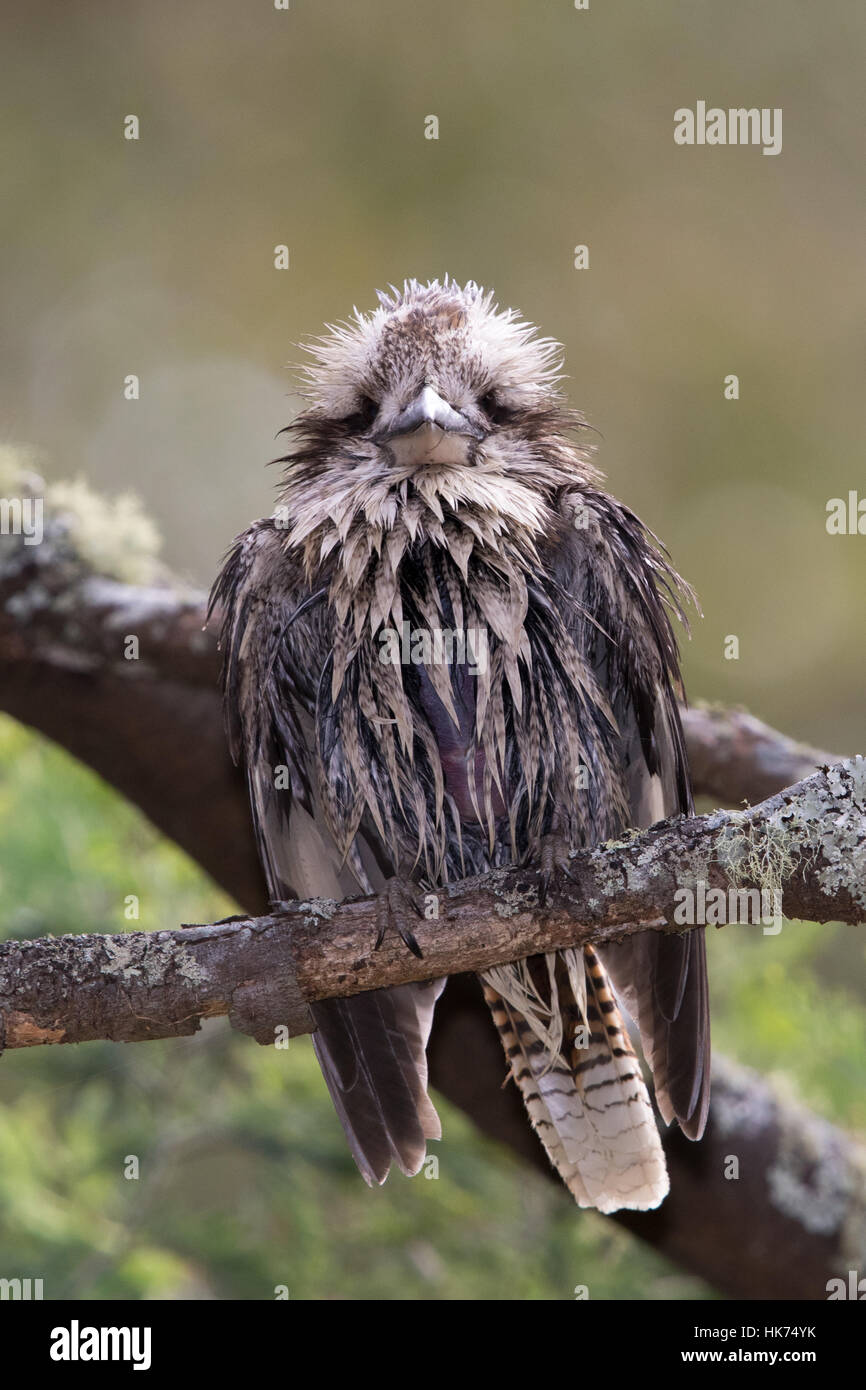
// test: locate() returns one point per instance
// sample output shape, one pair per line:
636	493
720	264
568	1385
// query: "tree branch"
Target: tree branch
733	757
805	848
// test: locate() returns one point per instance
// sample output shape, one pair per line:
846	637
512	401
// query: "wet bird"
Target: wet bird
450	649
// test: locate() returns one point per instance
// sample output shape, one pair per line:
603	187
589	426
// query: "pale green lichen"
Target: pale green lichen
315	910
111	536
840	831
615	874
826	826
162	954
757	853
516	901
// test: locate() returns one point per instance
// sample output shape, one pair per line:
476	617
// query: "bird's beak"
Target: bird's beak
428	429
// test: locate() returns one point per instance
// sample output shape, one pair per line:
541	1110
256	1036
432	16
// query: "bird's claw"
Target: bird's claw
394	904
554	857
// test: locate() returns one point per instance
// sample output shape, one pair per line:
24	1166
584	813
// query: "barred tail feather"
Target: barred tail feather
589	1105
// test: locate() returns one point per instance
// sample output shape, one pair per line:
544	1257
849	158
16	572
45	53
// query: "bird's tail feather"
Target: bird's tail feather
571	1057
371	1048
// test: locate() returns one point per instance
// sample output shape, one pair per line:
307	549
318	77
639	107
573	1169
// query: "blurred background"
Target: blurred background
305	127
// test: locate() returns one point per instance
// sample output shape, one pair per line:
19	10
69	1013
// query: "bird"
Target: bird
450	649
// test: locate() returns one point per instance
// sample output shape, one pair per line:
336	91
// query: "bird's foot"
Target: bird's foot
554	856
395	909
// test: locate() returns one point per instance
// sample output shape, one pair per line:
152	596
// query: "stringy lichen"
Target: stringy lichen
759	855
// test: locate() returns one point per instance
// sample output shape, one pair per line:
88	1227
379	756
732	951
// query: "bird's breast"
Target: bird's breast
463	761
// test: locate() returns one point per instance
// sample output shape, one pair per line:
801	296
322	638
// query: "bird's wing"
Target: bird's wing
624	584
371	1047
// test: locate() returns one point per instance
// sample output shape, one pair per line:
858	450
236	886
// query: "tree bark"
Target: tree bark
733	757
260	971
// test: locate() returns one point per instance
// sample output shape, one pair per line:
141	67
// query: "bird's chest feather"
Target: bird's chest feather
458	726
462	753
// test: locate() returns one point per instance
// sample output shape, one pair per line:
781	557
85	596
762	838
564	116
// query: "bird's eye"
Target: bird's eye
493	408
364	413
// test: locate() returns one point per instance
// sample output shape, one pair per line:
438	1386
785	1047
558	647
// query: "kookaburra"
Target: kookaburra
450	649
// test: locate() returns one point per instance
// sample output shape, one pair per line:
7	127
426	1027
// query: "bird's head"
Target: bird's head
431	375
436	407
